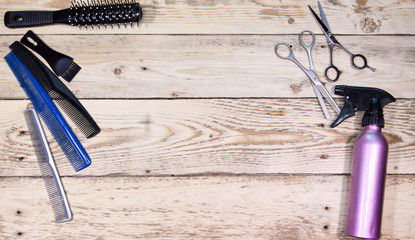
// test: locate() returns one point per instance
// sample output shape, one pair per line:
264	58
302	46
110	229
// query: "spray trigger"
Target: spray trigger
362	98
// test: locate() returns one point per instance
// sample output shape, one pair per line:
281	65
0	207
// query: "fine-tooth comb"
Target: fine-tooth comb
49	113
54	187
81	13
61	64
57	91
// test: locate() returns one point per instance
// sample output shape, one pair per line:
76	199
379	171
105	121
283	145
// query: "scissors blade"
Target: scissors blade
323	27
319	85
323	16
327	96
321	101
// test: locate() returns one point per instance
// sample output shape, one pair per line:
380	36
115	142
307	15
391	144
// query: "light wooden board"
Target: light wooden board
176	137
243	17
160	66
206	134
221	207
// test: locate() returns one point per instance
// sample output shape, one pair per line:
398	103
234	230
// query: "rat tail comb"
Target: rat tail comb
54	187
83	14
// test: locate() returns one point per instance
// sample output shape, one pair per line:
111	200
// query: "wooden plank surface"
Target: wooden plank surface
159	66
206	134
221	207
180	137
244	17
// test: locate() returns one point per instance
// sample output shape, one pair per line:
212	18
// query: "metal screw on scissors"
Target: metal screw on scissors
332	42
318	87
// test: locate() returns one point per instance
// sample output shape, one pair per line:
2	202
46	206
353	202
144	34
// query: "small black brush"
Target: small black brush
81	13
61	64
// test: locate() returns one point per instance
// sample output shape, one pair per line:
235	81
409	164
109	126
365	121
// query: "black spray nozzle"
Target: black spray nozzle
370	100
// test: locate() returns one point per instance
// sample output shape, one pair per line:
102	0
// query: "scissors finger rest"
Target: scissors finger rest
363	64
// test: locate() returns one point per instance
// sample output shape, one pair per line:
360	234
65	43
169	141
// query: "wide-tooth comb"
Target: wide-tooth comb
54	187
50	114
81	13
61	64
57	91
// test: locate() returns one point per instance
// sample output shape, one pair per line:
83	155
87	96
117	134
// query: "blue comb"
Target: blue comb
50	114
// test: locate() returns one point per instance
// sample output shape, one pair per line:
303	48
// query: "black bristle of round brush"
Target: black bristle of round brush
104	13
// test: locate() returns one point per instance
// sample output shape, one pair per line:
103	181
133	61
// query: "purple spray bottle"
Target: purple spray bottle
370	152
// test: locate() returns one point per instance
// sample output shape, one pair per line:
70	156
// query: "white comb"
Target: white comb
47	167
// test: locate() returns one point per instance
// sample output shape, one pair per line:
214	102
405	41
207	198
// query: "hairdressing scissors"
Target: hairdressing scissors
332	42
318	87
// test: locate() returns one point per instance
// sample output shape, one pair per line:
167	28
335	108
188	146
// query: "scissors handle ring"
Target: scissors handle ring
338	72
290	56
300	39
364	65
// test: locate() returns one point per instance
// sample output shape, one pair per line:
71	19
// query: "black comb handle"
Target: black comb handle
60	63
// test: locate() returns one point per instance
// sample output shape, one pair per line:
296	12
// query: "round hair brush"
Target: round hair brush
83	14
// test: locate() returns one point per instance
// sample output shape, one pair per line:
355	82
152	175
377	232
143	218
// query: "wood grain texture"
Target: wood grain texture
243	17
158	66
180	137
222	207
206	134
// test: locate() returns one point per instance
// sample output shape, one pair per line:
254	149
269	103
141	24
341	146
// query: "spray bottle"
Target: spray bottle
370	152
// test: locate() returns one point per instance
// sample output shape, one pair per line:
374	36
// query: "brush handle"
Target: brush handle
21	19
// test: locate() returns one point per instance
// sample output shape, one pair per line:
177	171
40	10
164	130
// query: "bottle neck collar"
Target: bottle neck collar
372	128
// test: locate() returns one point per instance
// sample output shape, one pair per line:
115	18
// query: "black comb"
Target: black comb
58	92
81	13
61	64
